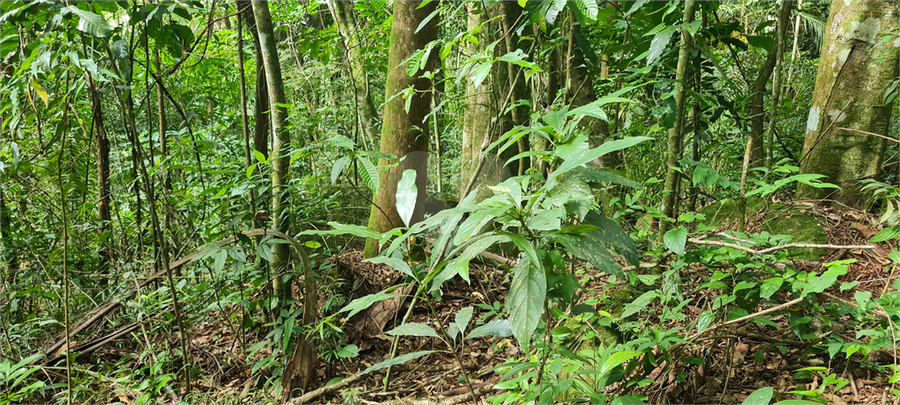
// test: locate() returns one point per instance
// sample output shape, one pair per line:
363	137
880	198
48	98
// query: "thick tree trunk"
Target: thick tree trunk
367	117
855	67
676	134
483	118
401	132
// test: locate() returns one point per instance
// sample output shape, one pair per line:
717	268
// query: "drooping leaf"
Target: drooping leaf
413	329
609	232
463	316
590	250
395	264
407	192
338	168
369	175
526	299
659	43
345	229
363	303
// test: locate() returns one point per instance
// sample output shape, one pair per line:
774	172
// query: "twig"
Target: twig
779	247
743	319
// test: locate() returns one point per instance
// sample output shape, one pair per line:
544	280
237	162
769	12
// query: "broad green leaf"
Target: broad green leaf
395	264
403	358
221	257
889	233
497	327
609	232
525	301
89	23
363	303
616	359
659	43
761	396
338	168
462	319
770	286
596	174
797	402
704	320
639	304
675	239
413	329
480	73
587	156
407	192
588	249
369	174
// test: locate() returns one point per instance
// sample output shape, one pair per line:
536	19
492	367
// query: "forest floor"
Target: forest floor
738	361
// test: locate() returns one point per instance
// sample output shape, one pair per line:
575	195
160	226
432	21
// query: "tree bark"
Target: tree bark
784	12
401	132
105	196
676	134
367	117
855	66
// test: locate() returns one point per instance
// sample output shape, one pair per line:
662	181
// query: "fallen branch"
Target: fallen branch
104	310
779	247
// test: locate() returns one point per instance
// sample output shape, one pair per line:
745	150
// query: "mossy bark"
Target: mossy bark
856	66
402	132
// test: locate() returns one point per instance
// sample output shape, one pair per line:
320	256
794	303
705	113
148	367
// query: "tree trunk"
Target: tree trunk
784	11
484	104
676	134
855	67
302	371
105	196
261	109
401	133
367	117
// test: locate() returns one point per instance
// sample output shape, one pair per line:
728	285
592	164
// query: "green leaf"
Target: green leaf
704	320
761	396
675	239
586	248
659	43
797	402
413	329
525	302
219	263
462	319
398	360
345	229
497	327
889	233
480	73
407	192
338	168
369	174
363	303
609	232
395	264
582	157
260	157
89	23
639	304
770	286
616	359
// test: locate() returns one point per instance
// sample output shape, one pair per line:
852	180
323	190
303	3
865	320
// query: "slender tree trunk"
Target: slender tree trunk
855	67
401	133
795	49
757	102
784	10
367	117
676	134
105	197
